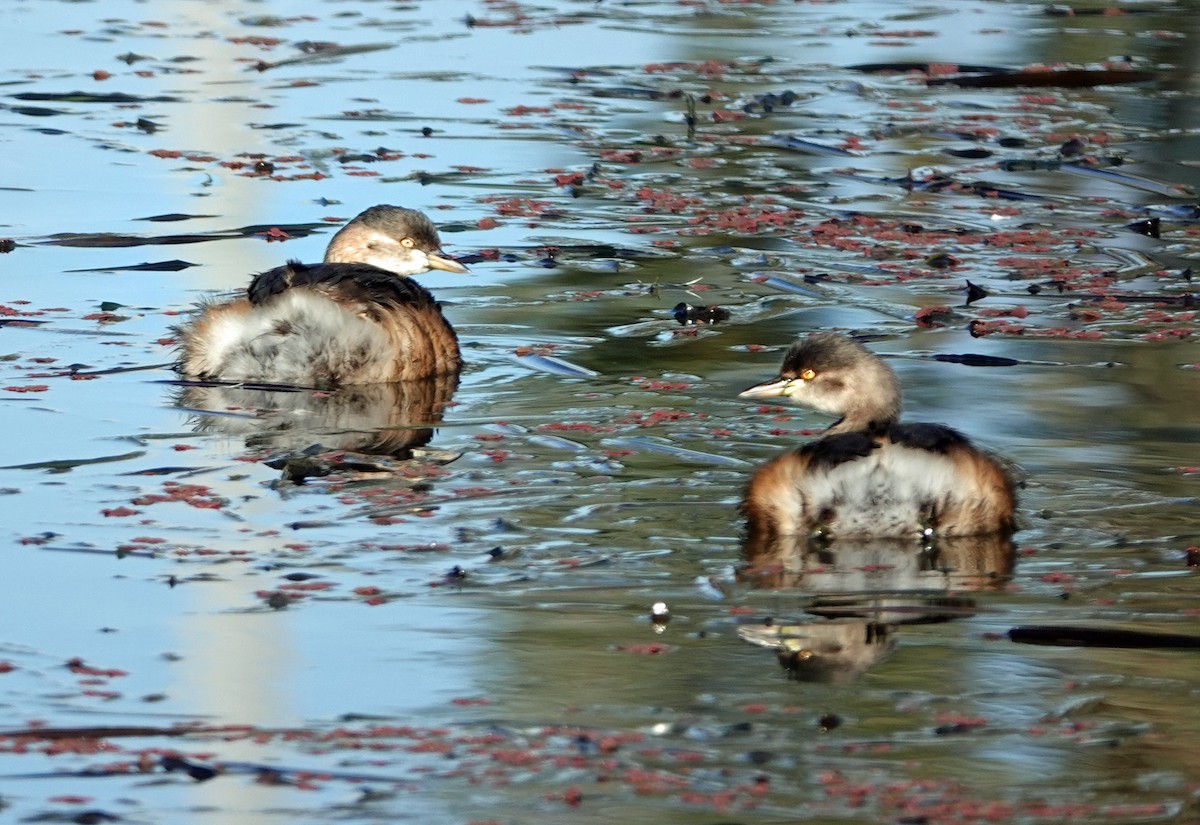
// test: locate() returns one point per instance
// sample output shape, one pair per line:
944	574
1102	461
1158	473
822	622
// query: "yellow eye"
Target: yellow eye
808	375
407	243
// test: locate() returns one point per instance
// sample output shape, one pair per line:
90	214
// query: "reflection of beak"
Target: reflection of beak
448	264
768	389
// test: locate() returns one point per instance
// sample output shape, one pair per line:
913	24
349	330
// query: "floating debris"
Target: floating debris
687	314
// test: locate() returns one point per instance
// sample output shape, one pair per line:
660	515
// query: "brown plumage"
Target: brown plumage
869	475
356	318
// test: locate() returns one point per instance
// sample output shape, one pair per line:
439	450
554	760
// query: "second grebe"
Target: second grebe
869	475
356	318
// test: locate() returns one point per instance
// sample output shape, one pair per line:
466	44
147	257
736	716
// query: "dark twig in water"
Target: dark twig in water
1076	636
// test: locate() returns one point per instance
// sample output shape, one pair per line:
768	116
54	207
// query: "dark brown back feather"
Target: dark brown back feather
355	282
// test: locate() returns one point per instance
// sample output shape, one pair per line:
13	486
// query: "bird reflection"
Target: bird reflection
378	419
859	592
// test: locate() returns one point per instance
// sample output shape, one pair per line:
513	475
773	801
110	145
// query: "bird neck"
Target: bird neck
870	401
874	417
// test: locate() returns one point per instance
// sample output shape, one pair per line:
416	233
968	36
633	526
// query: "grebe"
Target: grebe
357	318
869	475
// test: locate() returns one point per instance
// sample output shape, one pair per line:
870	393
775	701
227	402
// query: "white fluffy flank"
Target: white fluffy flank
891	492
300	337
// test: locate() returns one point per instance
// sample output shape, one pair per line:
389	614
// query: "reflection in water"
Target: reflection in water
863	589
380	419
837	652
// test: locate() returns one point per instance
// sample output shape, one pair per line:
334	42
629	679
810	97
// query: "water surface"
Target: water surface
470	641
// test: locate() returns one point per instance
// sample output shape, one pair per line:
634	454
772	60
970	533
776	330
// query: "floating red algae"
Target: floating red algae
28	388
274	234
930	316
650	649
621	155
576	427
517	207
569	179
307	587
194	495
660	384
656	417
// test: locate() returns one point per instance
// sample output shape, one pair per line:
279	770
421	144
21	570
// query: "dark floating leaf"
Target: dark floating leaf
171	217
274	126
329	52
995	77
109	306
1104	10
1187	300
161	471
975	293
971	359
36	111
153	266
924	68
201	773
938	183
568	251
970	154
1077	636
65	464
1061	78
91	97
112	240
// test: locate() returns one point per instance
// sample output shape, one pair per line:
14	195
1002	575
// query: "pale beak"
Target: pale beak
444	263
768	389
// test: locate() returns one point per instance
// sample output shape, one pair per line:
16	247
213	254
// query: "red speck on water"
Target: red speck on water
652	649
570	179
275	234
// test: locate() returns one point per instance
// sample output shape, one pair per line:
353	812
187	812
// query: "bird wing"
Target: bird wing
343	282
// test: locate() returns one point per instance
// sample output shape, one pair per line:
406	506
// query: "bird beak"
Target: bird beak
448	264
768	389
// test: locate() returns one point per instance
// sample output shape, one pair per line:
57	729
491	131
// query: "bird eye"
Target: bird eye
808	375
407	243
